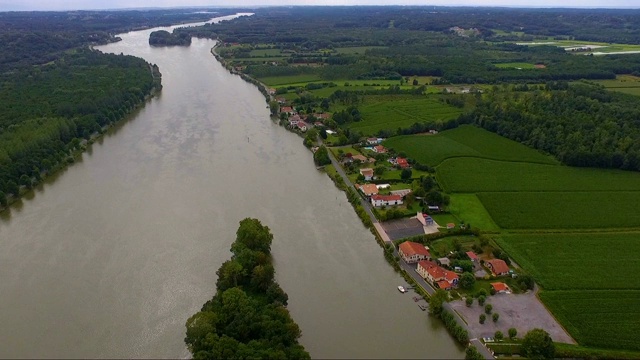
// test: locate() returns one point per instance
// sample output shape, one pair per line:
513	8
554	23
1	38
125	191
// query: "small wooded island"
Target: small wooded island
247	317
165	38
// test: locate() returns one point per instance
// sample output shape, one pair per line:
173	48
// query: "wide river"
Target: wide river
110	258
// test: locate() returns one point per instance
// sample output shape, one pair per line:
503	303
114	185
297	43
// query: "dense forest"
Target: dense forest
165	38
582	125
247	318
412	41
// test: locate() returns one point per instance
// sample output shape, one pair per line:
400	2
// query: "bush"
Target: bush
469	301
498	335
483	318
488	308
495	317
481	299
512	333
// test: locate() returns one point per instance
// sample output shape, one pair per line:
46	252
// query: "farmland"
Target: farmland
465	141
516	65
389	112
492	175
564	268
602	319
468	208
563	210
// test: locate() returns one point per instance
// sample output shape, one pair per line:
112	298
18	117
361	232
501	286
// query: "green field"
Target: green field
356	49
465	141
563	210
484	175
627	84
266	52
515	65
284	80
604	319
390	112
468	208
596	261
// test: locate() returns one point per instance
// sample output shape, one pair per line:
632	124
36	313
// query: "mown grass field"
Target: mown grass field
578	261
290	79
563	210
390	112
603	319
468	208
472	175
465	141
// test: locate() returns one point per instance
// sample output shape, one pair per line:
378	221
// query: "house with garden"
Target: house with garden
437	275
367	173
497	266
412	252
386	200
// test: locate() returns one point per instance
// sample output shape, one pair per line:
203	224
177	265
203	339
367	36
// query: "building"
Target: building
444	261
472	256
386	200
367	173
500	287
294	120
379	149
402	163
451	225
368	189
497	266
303	126
374	141
288	110
438	276
412	252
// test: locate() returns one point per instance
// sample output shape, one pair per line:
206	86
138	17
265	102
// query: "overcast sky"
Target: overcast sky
116	4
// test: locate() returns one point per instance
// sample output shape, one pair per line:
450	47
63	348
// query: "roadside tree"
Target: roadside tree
537	344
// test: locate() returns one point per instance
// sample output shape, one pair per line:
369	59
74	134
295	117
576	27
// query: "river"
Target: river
110	257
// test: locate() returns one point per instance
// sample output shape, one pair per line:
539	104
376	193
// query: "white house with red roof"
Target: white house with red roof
497	266
379	149
368	189
402	163
288	110
367	173
472	256
437	275
412	252
303	126
500	287
386	200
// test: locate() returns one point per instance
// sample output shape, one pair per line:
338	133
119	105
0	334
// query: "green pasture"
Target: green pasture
577	261
465	141
356	50
598	318
516	65
442	247
259	59
390	112
266	53
281	81
468	208
484	175
563	210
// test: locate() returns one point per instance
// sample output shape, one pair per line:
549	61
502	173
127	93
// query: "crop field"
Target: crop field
483	175
554	260
266	52
563	210
516	65
604	319
356	50
468	208
390	112
465	141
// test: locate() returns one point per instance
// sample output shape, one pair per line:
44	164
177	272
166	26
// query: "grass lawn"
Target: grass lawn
468	208
563	210
395	175
465	141
444	219
483	175
602	319
345	150
515	65
390	112
577	261
442	247
266	52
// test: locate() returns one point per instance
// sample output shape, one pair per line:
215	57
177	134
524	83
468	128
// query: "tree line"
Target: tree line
247	317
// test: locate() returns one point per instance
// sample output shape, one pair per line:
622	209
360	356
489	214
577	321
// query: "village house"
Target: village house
363	159
437	275
367	173
368	189
500	287
386	200
294	120
272	91
472	256
412	252
497	266
402	163
374	141
303	126
281	100
287	110
379	149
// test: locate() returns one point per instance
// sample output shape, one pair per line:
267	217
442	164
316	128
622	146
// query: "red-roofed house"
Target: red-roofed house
497	266
287	109
367	173
413	252
500	287
368	189
402	163
437	275
379	149
322	116
386	200
303	126
472	256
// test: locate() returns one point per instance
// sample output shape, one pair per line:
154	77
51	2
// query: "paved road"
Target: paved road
409	269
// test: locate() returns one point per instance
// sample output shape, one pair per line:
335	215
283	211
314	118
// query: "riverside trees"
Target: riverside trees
247	317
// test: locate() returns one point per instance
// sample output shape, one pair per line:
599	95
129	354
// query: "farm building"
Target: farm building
413	252
386	200
497	266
